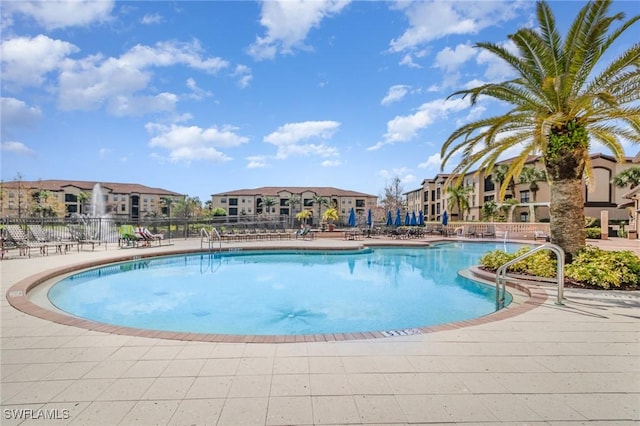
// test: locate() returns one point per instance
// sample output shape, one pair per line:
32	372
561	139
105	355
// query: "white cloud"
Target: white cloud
288	137
396	93
152	18
243	73
257	162
197	92
94	81
26	61
194	143
433	162
53	14
449	60
17	148
123	106
497	69
331	163
404	128
288	23
432	20
16	113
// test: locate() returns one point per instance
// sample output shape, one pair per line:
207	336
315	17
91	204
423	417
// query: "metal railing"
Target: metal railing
208	237
501	273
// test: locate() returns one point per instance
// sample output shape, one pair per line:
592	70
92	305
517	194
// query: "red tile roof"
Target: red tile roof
274	191
114	187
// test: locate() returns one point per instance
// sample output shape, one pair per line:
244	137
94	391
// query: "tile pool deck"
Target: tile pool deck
546	364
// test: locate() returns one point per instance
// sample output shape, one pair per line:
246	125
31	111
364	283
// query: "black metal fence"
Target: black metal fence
109	229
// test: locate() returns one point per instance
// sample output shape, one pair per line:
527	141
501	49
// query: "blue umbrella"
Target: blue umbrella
369	218
407	219
389	218
445	218
352	218
420	218
414	221
398	221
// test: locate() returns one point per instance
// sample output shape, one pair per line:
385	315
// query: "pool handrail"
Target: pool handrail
501	278
209	237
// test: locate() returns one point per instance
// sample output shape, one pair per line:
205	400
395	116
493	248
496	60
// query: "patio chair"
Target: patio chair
39	235
540	235
79	235
489	233
19	238
148	237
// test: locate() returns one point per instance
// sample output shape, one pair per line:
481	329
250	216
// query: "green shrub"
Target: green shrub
605	269
593	233
539	264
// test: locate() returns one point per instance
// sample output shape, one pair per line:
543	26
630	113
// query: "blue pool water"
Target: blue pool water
284	292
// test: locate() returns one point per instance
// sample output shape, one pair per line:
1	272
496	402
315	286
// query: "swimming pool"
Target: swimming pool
284	292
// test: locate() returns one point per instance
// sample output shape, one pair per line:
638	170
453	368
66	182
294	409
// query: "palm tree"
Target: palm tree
293	201
562	97
320	201
459	198
83	197
499	177
629	178
268	202
532	176
489	210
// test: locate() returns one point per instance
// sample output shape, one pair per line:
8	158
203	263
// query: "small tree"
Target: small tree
532	176
629	178
459	198
320	201
268	202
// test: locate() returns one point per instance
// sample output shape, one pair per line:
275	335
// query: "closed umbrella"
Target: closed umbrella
414	221
398	221
352	218
389	218
407	219
420	218
445	218
369	218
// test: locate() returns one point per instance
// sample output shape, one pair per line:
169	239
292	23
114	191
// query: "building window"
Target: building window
233	211
70	198
488	184
284	202
308	202
489	198
524	217
284	211
123	208
223	201
359	203
524	196
233	201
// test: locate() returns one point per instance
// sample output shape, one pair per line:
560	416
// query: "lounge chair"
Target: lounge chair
540	235
471	232
148	237
19	238
489	233
79	235
305	234
128	236
39	235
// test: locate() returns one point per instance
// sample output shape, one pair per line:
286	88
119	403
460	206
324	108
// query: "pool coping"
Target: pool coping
18	297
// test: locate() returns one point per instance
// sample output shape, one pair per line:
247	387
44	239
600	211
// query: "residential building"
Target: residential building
121	200
249	202
530	205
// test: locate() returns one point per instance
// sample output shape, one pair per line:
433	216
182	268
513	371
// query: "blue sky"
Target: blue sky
205	97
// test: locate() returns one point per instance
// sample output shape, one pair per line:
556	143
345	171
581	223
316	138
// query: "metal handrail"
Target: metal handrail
501	279
205	234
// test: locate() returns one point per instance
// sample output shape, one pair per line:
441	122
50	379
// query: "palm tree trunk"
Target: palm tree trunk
567	216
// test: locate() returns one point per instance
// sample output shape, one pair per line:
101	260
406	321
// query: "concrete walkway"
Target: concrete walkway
572	364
